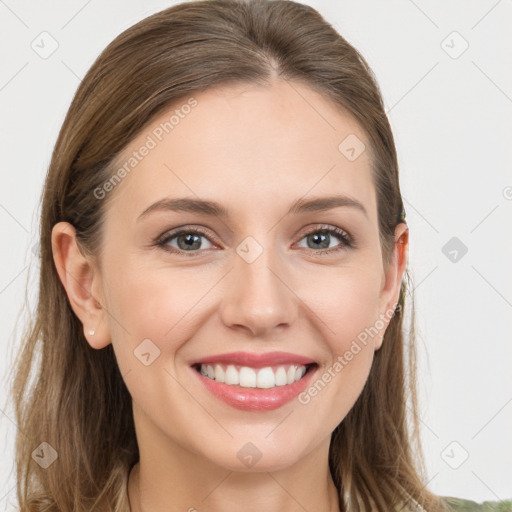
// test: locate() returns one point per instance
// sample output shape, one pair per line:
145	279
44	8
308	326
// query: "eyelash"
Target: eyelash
346	239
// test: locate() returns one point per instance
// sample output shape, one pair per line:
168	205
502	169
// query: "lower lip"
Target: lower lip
256	399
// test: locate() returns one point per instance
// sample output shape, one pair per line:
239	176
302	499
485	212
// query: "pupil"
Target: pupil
191	239
318	238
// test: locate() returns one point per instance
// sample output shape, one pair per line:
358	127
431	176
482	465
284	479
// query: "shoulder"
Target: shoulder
459	504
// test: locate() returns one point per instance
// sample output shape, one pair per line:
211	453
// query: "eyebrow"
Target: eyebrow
214	209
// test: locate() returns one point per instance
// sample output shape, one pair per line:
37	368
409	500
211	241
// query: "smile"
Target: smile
255	382
247	377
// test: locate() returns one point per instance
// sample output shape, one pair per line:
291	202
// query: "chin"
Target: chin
255	454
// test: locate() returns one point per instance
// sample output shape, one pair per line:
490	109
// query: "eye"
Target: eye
187	241
320	238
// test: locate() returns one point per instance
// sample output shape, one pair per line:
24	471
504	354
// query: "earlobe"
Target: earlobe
78	274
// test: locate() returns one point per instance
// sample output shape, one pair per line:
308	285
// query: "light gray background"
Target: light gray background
451	114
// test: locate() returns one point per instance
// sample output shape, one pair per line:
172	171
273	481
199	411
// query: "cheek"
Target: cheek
159	304
346	303
148	304
348	312
152	316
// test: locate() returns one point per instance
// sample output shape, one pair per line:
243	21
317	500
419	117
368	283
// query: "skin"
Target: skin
255	150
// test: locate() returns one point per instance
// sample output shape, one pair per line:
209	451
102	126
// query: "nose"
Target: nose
258	298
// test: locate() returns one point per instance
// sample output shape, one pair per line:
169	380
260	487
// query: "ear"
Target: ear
82	283
392	281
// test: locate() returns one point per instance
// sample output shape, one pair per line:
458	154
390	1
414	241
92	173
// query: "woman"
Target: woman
222	287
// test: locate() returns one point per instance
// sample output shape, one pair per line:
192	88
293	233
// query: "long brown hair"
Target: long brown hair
77	401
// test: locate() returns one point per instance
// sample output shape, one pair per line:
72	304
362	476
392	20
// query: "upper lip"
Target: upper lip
255	360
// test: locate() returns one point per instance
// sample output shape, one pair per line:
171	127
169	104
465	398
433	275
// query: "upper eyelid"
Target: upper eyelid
185	229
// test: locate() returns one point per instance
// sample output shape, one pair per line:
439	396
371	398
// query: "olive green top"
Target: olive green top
455	505
460	505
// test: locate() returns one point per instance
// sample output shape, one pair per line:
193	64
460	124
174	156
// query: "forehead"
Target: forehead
246	145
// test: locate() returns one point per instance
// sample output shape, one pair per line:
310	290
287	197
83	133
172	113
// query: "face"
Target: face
263	288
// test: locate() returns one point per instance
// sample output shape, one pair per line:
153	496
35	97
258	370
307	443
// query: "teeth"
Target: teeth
231	376
219	373
299	372
247	377
266	378
290	375
281	379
